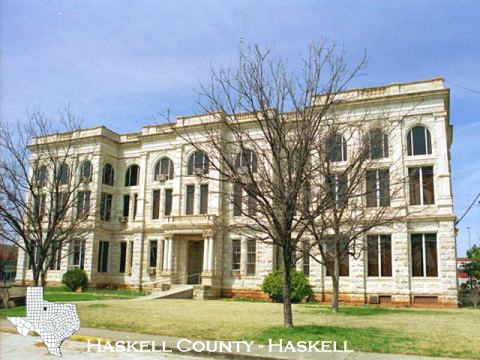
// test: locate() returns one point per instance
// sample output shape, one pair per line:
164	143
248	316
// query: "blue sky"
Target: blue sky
120	63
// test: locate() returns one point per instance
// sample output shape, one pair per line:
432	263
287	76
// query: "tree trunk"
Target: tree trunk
335	284
36	276
43	278
287	301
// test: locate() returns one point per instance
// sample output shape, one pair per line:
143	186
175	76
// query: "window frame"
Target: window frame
378	238
427	138
421	185
424	267
159	168
130	180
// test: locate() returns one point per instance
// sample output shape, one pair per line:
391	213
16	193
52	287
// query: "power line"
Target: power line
463	87
466	211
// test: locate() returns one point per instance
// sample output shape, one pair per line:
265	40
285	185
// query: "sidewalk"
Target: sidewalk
258	352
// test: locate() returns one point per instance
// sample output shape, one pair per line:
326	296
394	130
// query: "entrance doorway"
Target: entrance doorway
195	262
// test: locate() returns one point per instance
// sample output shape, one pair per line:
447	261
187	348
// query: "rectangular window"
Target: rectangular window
251	257
252	204
126	205
378	188
424	255
190	199
337	190
130	260
61	204
343	255
135	205
379	255
237	200
236	255
102	265
153	253
83	203
78	253
421	186
204	199
123	256
306	258
39	205
156	204
55	256
106	207
168	201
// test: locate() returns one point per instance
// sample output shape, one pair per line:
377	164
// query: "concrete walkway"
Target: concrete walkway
182	347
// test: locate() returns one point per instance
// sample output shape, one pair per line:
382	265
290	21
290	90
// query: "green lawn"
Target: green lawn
63	294
431	332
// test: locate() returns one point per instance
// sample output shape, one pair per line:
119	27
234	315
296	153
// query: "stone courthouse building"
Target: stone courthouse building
156	223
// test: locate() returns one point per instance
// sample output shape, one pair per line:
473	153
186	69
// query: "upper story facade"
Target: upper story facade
149	180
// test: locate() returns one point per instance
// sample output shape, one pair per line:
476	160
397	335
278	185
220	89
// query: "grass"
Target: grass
429	332
63	294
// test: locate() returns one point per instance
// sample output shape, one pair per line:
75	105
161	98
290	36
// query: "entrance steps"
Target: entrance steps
175	292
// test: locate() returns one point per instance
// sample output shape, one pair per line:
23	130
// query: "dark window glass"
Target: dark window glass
198	163
386	255
419	141
373	268
78	253
236	255
126	205
237	200
247	159
431	261
252	204
42	176
156	204
83	203
107	176
421	186
55	256
337	148
378	144
342	190
61	204
64	174
102	265
168	201
414	186
132	175
164	167
204	199
135	206
251	256
427	184
378	188
190	199
86	171
106	207
123	256
130	260
417	254
39	205
343	254
153	253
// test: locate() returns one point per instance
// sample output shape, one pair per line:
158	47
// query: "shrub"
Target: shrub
300	287
75	279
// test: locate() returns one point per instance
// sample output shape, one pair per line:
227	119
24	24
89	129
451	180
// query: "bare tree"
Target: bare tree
351	189
44	192
258	134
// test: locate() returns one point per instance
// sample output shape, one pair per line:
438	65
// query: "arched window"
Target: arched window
246	159
86	171
42	176
107	176
163	167
419	141
337	148
377	144
198	163
64	174
131	176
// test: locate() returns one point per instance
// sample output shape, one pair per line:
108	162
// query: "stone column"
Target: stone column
210	255
206	248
